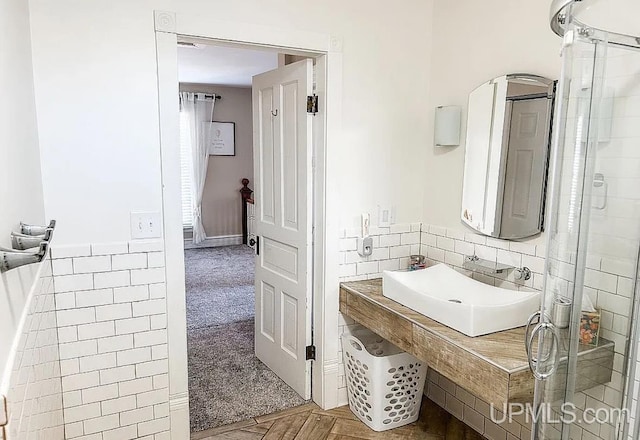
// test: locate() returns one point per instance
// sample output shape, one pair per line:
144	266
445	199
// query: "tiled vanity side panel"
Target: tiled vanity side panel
34	397
392	247
474	411
112	326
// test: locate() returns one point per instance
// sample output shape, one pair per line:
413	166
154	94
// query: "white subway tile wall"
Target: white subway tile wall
474	411
392	248
34	397
610	290
615	228
111	308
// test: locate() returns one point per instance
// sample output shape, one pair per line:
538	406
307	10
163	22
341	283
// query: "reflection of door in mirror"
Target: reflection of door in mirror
525	168
506	153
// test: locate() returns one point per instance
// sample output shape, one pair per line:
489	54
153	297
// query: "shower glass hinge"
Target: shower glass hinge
312	104
311	352
567	40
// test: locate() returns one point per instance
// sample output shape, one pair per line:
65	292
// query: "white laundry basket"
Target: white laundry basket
385	384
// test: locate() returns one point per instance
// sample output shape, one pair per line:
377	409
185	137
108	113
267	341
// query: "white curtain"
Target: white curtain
198	110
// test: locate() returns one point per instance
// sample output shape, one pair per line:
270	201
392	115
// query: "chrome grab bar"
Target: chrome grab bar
533	362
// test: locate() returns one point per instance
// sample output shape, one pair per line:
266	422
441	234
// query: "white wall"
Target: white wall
96	86
20	179
96	93
472	43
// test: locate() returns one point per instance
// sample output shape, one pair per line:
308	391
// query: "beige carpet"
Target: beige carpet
227	383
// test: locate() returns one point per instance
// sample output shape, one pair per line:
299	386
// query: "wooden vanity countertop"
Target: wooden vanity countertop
492	366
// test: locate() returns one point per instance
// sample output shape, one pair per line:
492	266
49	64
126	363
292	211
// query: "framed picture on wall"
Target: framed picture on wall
221	138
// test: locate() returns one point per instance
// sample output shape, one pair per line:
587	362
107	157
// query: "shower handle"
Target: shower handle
555	343
527	330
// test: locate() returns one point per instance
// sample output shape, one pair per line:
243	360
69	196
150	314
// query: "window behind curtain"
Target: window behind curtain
185	171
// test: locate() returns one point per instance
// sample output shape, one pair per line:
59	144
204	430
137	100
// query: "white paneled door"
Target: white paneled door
282	152
525	169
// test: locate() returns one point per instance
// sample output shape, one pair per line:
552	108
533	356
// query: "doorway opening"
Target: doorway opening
227	381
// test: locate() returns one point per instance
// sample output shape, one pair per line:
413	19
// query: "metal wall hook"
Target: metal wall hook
12	259
274	112
22	251
23	241
36	229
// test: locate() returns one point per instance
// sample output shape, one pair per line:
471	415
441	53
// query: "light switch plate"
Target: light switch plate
386	216
146	225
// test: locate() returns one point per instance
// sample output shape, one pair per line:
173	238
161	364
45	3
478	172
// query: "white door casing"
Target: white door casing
328	122
283	219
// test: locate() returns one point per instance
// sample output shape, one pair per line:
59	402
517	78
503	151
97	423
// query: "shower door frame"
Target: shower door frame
599	40
576	242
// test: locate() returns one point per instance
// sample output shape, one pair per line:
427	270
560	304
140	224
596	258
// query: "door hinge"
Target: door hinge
311	352
312	104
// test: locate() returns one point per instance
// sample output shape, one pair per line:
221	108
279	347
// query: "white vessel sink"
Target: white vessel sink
460	302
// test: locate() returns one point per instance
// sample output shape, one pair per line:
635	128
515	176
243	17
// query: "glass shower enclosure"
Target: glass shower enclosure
588	328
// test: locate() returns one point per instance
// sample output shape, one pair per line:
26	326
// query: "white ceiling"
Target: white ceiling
225	66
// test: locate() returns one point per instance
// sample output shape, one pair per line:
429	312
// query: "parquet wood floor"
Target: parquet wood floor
310	422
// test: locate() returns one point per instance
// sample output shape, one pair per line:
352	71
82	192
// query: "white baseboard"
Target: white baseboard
223	240
179	413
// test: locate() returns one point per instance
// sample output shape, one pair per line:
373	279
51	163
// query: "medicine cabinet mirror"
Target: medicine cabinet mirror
506	157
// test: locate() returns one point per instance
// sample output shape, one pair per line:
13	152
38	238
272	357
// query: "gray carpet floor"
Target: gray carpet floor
227	383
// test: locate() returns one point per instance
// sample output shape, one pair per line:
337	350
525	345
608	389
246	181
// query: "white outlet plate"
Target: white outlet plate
386	216
146	225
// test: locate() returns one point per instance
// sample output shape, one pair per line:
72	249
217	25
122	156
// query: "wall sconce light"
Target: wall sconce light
447	126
